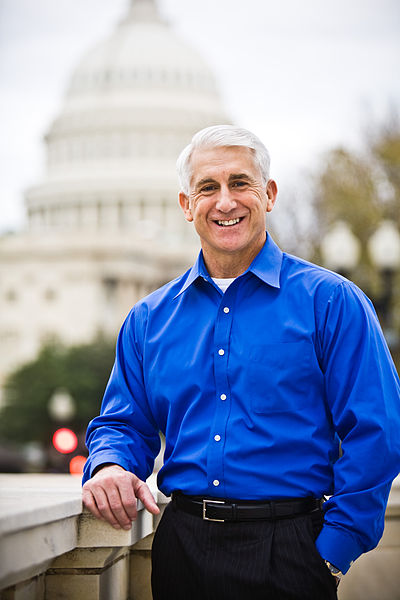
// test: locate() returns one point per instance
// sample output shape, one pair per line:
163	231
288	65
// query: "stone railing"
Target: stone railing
50	549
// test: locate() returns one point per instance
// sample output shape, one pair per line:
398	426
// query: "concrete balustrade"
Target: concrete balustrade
51	550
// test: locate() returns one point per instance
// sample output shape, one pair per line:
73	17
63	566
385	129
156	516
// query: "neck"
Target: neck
225	265
224	271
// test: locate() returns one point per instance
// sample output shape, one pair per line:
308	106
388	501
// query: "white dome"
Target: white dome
133	102
104	223
143	52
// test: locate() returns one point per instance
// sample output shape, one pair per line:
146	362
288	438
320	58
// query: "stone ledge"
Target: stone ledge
31	500
93	533
41	519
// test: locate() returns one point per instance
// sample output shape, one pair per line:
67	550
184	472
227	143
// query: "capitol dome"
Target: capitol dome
104	225
132	104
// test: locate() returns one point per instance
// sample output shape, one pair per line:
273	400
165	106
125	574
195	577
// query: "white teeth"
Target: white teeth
226	223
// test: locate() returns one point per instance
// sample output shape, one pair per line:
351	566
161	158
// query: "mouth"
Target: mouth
229	223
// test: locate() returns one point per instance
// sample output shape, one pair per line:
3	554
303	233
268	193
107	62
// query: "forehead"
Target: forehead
222	161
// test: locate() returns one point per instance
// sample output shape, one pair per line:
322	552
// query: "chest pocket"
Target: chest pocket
280	375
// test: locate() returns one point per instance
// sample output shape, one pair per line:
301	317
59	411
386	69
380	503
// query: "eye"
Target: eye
208	188
239	183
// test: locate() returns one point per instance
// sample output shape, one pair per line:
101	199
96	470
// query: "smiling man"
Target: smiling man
255	365
227	201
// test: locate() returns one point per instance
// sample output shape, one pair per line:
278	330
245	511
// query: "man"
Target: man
254	365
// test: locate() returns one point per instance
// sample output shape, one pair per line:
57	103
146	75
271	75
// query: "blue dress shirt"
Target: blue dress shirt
254	389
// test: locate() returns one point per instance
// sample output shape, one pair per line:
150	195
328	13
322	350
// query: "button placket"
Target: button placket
218	431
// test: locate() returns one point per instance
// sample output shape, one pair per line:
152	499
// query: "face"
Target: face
227	203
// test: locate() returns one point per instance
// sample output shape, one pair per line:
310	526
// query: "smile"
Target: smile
228	223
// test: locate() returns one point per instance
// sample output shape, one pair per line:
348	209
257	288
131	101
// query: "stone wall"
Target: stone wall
50	549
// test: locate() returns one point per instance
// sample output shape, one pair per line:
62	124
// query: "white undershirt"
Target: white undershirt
223	283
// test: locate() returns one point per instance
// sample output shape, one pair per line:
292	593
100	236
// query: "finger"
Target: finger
89	502
103	505
128	498
118	509
144	494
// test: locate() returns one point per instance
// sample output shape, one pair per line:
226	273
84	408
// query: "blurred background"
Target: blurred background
98	98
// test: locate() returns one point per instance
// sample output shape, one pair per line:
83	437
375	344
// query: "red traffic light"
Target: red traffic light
65	440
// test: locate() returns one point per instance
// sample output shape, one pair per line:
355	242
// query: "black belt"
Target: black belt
211	509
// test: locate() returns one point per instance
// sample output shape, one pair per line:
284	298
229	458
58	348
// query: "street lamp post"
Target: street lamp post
384	250
341	249
62	410
61	405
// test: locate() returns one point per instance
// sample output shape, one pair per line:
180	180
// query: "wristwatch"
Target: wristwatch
337	573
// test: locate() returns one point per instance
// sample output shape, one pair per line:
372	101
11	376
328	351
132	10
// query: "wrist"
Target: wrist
104	466
335	572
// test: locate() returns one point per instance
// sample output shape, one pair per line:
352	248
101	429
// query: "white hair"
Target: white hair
222	135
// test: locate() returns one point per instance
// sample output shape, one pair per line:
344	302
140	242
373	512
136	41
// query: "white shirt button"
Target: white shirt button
217	438
223	396
216	482
221	352
226	309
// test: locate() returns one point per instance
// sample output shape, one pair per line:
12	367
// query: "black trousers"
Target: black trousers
194	559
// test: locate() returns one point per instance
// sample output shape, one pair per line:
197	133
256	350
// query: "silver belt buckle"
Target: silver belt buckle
205	502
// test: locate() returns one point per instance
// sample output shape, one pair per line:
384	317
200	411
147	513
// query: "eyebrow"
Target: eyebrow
232	177
204	181
235	176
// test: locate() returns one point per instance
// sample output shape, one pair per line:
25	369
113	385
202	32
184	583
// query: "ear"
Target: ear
272	192
184	204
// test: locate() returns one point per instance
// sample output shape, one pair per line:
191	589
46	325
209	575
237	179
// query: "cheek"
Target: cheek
260	203
264	203
200	207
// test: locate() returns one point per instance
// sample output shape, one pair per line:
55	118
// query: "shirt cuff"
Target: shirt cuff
103	458
338	547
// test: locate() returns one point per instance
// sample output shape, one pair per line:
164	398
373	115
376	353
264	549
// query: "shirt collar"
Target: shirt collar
268	263
198	270
266	266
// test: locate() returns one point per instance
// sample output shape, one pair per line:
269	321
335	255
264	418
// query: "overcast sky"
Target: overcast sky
304	75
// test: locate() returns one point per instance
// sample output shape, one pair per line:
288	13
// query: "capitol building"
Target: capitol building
103	225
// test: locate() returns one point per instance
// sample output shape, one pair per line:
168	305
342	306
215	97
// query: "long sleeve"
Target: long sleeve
125	432
363	392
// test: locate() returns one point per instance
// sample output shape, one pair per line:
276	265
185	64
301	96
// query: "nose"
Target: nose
226	201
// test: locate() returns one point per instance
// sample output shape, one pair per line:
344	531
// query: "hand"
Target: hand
111	495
